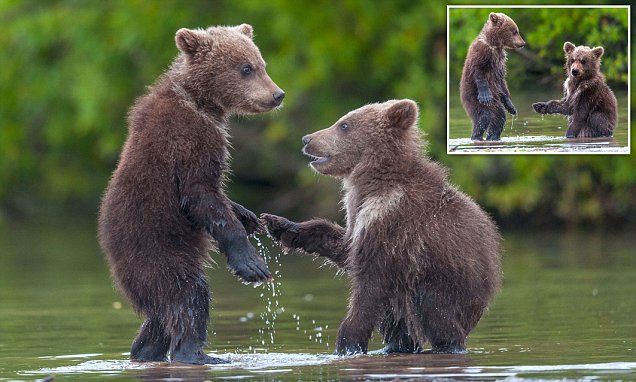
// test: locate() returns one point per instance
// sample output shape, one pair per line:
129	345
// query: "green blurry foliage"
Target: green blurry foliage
71	69
545	30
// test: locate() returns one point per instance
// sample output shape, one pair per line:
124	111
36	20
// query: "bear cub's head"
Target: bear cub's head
502	32
372	134
582	62
221	67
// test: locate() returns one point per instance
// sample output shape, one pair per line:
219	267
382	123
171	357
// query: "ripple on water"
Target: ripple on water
537	144
253	362
368	367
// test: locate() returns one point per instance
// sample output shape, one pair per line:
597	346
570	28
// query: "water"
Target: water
534	133
566	311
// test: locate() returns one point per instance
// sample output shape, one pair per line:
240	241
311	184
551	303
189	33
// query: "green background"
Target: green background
71	69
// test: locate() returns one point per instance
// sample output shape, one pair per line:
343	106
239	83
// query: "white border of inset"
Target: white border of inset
504	152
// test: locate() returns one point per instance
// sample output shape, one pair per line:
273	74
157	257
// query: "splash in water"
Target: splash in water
273	309
271	293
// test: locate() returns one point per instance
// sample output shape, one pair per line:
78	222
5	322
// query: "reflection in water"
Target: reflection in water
305	366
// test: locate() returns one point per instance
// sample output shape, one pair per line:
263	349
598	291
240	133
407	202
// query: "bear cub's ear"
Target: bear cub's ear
495	18
188	41
568	47
246	29
402	114
598	52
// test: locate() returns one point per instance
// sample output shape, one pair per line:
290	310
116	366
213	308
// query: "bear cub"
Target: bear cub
483	89
422	256
588	103
165	204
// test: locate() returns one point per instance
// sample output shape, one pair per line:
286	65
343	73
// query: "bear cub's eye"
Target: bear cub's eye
583	62
247	69
515	32
344	126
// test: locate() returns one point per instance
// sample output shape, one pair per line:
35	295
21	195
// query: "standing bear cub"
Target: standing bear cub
588	102
483	87
165	202
422	256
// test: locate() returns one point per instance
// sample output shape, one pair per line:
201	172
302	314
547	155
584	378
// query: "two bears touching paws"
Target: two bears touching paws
424	258
588	103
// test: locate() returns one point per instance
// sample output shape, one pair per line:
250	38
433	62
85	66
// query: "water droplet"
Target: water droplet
271	293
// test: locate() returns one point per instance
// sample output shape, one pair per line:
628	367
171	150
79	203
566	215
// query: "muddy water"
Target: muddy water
567	311
532	133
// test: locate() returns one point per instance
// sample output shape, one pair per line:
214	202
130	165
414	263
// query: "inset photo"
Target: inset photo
538	79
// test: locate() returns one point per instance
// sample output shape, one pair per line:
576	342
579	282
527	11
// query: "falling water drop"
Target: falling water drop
270	294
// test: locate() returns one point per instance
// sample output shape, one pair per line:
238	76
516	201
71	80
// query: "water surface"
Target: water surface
533	133
566	311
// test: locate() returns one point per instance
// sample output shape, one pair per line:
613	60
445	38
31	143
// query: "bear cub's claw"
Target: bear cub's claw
252	270
276	225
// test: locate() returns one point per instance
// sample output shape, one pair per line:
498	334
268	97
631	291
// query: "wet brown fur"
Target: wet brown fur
483	88
588	102
422	256
165	205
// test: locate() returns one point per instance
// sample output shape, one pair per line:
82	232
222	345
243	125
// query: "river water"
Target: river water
531	133
567	311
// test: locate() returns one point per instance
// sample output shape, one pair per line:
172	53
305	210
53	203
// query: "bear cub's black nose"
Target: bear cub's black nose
575	72
278	96
306	139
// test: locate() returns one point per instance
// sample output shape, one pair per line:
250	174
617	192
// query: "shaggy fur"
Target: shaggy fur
483	87
588	102
422	256
165	202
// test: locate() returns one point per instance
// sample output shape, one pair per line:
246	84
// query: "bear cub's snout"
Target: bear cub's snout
278	95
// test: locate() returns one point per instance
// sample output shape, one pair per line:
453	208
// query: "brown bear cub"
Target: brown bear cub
422	256
165	202
588	102
483	87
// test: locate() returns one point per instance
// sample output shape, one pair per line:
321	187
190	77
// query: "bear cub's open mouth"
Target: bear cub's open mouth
316	159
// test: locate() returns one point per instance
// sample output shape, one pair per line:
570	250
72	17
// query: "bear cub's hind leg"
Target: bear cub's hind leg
396	337
151	344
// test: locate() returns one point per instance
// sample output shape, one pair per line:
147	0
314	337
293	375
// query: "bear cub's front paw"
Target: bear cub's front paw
509	106
540	107
277	227
484	97
248	219
250	267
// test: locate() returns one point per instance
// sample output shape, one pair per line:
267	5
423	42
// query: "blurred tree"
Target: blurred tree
71	69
